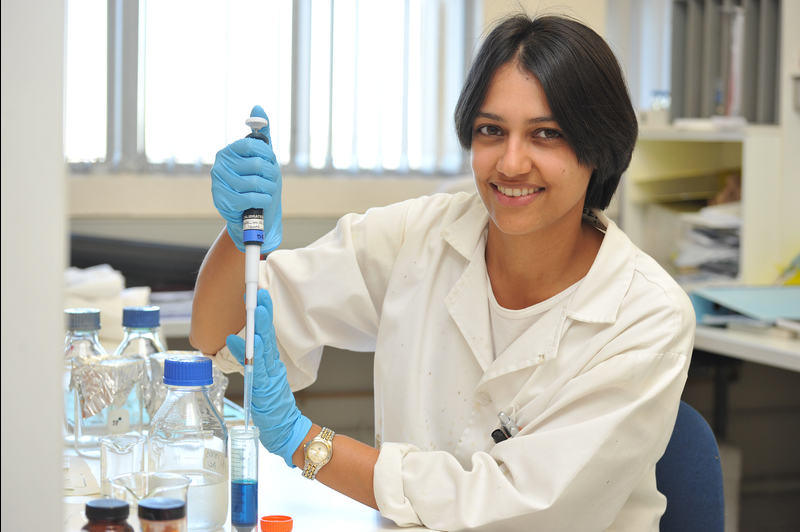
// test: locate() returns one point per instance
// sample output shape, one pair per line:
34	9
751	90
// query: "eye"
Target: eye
548	134
488	130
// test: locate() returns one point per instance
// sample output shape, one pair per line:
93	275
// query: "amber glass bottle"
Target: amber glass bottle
107	515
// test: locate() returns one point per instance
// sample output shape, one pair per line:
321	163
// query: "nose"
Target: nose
515	160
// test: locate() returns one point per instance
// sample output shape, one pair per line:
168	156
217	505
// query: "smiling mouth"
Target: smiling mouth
517	192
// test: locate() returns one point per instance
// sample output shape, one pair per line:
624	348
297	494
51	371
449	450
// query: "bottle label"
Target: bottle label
215	461
119	420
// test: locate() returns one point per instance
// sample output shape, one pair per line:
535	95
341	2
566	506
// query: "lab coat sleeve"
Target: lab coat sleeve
330	292
572	467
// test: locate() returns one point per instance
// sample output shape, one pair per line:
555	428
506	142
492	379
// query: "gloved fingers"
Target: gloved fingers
232	204
256	178
248	147
233	213
238	158
263	299
266	332
236	345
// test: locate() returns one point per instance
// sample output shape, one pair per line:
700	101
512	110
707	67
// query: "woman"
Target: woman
523	298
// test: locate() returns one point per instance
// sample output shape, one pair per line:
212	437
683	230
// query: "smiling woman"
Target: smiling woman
522	299
547	118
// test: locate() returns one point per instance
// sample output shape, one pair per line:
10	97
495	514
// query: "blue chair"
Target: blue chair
690	476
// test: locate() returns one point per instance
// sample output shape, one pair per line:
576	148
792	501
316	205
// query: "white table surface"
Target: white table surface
312	505
761	348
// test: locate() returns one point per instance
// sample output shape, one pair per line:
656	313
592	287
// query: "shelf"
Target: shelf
691	135
672	133
657	160
673	169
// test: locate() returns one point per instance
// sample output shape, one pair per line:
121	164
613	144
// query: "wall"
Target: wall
179	210
590	12
33	259
790	124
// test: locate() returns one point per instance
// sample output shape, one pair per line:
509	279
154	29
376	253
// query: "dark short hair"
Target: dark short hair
582	82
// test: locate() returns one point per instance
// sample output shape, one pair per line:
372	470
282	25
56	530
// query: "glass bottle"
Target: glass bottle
107	515
188	436
141	337
106	390
81	341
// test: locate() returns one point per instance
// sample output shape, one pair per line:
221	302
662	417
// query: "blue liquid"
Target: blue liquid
244	504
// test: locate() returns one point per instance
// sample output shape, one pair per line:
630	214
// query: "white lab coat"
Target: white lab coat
595	385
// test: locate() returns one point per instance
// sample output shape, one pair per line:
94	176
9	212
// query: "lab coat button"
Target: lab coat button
484	399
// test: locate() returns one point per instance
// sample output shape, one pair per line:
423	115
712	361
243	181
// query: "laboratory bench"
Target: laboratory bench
281	491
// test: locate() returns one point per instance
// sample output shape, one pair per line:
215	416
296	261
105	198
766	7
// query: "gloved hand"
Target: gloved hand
245	176
281	424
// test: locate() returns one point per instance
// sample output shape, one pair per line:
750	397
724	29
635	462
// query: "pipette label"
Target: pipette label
253	222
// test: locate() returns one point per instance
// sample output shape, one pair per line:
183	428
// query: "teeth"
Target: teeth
514	192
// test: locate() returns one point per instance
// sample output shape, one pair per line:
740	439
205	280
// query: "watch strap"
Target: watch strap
326	434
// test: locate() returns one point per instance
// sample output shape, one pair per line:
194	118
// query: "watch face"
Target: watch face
317	452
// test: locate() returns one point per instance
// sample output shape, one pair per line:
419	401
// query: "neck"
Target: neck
527	269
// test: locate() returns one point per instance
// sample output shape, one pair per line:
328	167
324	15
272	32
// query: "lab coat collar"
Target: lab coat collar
469	307
465	233
467	302
598	298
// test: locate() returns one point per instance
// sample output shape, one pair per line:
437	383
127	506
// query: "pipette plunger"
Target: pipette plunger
253	238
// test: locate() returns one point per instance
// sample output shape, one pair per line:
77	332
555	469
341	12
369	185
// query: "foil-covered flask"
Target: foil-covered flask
103	394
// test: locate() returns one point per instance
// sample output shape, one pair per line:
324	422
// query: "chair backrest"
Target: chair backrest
690	476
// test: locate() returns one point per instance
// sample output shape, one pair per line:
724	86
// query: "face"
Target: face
526	173
317	451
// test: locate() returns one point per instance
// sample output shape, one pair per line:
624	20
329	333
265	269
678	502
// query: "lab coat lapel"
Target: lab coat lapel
467	301
535	346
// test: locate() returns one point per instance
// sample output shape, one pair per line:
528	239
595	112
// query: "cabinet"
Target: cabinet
674	171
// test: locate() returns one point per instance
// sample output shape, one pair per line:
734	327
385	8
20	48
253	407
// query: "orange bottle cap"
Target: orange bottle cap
276	523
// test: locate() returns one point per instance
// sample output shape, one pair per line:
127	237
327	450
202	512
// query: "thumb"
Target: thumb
236	347
258	112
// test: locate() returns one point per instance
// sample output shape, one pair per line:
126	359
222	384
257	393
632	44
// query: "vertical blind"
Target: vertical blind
349	85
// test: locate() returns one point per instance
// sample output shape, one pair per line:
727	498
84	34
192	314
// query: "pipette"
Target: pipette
253	238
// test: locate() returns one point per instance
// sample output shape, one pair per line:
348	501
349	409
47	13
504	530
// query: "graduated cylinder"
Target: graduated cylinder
244	477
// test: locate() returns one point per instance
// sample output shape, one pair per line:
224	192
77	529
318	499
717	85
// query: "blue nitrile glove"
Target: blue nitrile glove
275	414
245	176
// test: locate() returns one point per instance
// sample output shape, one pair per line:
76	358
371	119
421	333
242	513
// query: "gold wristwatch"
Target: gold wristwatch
318	452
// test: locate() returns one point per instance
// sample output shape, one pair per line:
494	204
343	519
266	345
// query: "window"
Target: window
349	85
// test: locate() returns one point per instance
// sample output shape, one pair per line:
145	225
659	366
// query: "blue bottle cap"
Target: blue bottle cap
82	319
188	371
141	317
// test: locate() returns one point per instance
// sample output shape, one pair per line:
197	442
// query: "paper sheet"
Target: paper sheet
78	478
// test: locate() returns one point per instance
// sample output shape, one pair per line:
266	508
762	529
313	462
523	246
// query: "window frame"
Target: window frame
125	152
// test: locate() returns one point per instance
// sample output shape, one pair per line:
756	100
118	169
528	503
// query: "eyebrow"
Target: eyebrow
531	121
